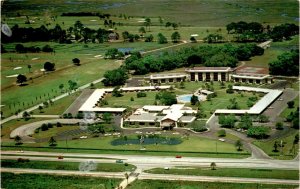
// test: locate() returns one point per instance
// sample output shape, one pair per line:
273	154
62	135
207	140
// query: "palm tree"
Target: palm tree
239	144
29	67
213	166
52	141
148	23
126	177
18	140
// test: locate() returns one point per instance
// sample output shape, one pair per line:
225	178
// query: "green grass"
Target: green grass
30	181
54	131
193	146
287	110
53	165
154	184
230	172
59	106
267	146
125	100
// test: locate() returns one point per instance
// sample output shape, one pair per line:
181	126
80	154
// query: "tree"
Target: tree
61	86
213	38
279	126
175	37
193	39
41	109
161	38
258	132
18	140
115	77
175	26
213	166
47	48
246	122
239	145
263	118
194	100
29	67
126	177
142	30
48	66
107	117
76	61
21	79
166	98
148	23
26	115
117	92
72	85
222	133
227	121
113	53
287	64
96	129
149	38
290	104
44	127
275	146
52	141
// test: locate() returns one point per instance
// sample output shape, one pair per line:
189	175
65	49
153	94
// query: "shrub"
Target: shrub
222	133
44	127
50	125
279	126
58	124
141	94
258	132
290	104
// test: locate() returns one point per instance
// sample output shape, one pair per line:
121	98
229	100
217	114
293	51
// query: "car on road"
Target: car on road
178	156
119	161
60	157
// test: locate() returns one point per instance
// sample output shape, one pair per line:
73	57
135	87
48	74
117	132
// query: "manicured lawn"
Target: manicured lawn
58	107
105	167
287	110
30	181
288	150
230	172
193	146
125	100
154	184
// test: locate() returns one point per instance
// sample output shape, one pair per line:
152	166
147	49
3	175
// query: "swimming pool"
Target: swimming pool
185	98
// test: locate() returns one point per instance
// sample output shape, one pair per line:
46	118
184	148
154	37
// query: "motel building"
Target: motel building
162	116
167	78
243	74
209	73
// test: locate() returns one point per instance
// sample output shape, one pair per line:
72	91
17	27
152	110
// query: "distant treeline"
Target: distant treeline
57	34
100	15
255	31
21	49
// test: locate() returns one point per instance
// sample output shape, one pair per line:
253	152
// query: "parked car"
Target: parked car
178	156
60	157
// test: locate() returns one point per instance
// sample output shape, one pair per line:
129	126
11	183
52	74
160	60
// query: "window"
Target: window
192	76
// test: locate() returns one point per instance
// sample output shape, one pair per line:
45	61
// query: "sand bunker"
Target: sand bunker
93	20
15	75
97	56
35	58
17	68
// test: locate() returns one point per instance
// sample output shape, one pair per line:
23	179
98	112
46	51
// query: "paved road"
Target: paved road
53	99
144	176
146	162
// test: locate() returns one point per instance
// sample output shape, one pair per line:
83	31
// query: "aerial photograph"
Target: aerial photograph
149	94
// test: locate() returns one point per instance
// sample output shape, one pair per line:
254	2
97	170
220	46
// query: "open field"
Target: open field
287	151
29	181
154	184
206	13
229	172
106	167
54	131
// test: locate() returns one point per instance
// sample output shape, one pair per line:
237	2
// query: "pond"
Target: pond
125	49
147	141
